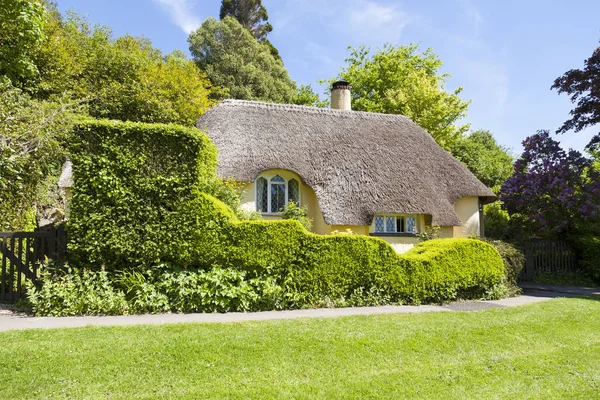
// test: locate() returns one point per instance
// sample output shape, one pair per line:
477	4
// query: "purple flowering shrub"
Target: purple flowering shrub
551	191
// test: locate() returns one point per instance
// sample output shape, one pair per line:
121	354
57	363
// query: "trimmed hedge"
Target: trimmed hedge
588	249
142	197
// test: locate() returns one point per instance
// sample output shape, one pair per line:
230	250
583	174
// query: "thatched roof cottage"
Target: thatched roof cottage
375	174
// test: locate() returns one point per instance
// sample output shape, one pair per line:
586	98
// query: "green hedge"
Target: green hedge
588	248
142	196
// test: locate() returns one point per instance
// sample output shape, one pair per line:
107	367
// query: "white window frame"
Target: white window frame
395	216
287	180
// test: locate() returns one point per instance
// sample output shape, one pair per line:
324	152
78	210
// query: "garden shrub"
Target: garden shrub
513	259
588	248
71	291
445	269
144	195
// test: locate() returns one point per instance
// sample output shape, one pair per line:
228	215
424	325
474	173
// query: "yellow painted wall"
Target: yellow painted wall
355	229
467	209
446	232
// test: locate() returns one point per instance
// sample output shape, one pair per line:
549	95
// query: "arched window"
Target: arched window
277	194
294	191
274	192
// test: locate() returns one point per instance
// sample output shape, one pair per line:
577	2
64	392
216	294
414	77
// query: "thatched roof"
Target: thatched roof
358	163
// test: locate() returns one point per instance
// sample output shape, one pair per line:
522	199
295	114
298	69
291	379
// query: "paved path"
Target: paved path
14	322
572	290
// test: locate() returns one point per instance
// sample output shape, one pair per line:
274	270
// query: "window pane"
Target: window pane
411	224
261	195
277	178
390	224
400	224
277	196
294	191
379	224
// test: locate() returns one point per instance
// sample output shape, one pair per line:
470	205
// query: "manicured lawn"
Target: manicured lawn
545	350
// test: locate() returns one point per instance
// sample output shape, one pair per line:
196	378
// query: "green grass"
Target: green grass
545	350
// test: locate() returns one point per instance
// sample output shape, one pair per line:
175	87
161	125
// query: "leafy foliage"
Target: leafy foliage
588	247
399	80
251	14
582	86
307	97
235	60
31	132
292	211
551	191
491	163
124	78
21	32
497	222
513	258
71	291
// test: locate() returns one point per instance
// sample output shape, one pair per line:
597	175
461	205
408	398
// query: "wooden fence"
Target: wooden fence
21	254
548	257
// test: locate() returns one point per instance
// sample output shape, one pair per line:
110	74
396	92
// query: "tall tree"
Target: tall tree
583	85
235	60
551	191
491	163
251	14
399	80
21	31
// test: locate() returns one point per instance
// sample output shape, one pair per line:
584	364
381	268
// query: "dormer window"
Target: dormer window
274	192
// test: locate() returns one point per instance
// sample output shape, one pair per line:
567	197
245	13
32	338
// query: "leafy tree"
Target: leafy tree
251	14
307	97
233	59
584	88
399	80
124	78
551	191
491	163
21	31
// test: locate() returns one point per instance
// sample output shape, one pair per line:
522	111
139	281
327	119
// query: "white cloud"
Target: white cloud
182	13
473	14
369	17
368	21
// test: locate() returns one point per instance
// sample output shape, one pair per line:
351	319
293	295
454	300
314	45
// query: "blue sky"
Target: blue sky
506	54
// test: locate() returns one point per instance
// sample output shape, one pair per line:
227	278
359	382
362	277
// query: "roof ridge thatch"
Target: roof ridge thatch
311	109
358	163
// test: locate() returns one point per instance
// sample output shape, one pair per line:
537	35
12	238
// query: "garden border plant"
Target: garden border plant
143	196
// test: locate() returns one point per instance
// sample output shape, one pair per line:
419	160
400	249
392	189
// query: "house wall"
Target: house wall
467	209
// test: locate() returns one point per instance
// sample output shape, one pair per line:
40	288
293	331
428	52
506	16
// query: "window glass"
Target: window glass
410	224
262	201
294	191
390	224
379	224
277	194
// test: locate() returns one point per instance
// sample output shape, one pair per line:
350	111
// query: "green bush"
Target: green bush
588	248
129	180
446	269
513	258
72	291
144	195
